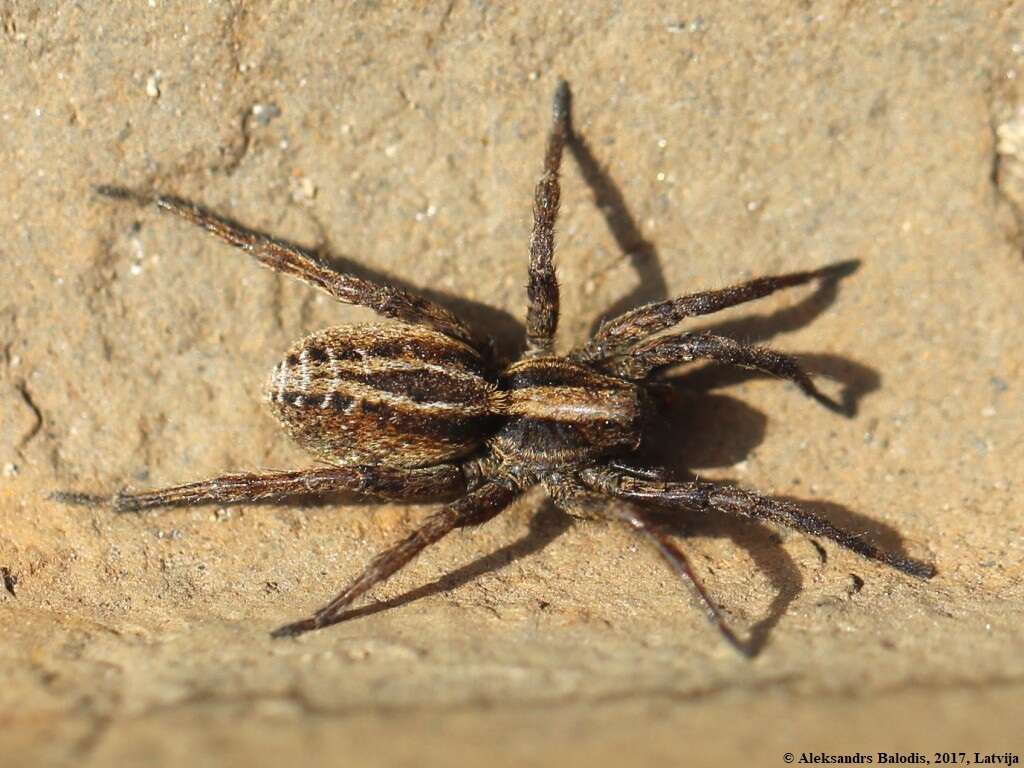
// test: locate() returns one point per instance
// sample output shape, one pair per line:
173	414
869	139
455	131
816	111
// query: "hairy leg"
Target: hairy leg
542	292
426	482
282	257
663	351
679	563
476	508
711	497
578	500
618	333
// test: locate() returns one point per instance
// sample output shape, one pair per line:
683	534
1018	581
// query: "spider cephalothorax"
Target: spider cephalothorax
415	409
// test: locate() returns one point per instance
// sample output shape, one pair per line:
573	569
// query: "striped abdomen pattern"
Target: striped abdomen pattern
391	395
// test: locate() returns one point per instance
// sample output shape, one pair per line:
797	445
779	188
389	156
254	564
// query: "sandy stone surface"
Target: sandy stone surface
722	144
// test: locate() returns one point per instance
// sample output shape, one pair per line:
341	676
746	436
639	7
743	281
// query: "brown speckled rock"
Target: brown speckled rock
735	143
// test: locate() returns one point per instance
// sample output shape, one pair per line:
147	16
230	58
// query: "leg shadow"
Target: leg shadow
641	253
757	328
883	536
855	380
701	431
493	325
546	525
645	260
696	429
763	546
503	335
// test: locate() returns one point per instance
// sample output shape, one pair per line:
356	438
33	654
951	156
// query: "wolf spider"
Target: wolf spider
416	409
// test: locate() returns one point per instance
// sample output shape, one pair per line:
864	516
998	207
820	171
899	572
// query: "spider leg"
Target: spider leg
542	292
426	482
665	351
618	333
708	497
290	260
577	500
476	508
631	467
679	563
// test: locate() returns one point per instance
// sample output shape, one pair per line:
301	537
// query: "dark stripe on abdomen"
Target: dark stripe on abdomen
366	429
422	385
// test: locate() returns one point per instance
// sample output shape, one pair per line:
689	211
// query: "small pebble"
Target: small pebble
153	85
264	113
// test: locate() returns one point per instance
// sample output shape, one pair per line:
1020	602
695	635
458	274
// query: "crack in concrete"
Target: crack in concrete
1006	152
308	708
100	725
236	154
86	746
34	430
9	579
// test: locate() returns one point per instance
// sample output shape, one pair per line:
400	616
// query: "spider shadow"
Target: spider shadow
706	430
719	431
715	430
854	380
764	546
503	336
701	431
642	254
502	331
546	525
757	328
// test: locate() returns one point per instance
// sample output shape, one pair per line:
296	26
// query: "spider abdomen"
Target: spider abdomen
392	395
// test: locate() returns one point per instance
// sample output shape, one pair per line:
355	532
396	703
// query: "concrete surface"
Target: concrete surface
406	138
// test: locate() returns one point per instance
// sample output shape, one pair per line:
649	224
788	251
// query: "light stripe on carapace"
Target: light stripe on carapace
561	413
390	395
